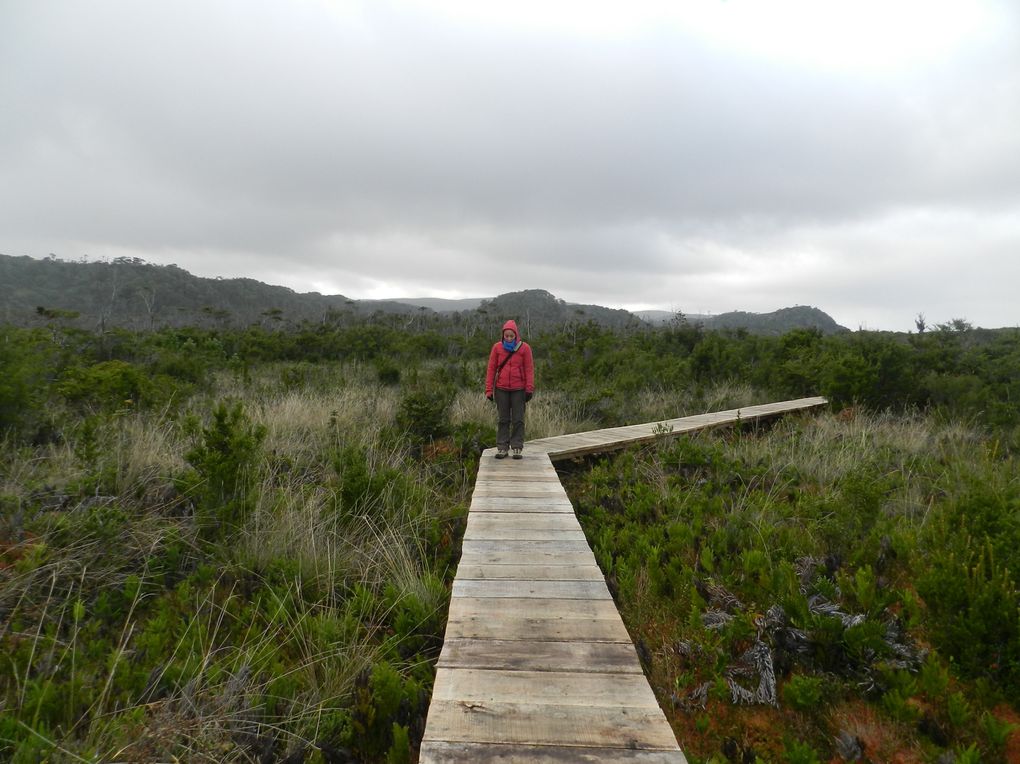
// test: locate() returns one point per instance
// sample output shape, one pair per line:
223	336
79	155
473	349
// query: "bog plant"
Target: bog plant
224	459
241	540
779	568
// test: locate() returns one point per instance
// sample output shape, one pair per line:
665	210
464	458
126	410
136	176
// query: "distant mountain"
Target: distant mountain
536	310
777	322
774	323
131	293
657	317
439	305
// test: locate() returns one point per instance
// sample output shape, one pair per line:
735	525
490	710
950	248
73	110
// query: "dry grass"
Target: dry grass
299	424
47	469
143	451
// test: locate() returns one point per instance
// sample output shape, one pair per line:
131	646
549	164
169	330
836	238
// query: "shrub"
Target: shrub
800	753
106	385
20	384
223	461
424	413
974	611
804	693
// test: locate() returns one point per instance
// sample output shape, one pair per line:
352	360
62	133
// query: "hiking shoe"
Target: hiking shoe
501	453
517	454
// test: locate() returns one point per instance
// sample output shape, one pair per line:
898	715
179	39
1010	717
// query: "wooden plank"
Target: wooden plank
506	608
502	520
481	546
533	572
521	504
566	446
537	665
523	534
564	688
560	590
511	489
496	557
533	655
549	724
545	475
442	752
543	629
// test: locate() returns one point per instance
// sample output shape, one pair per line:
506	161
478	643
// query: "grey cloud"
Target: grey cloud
650	168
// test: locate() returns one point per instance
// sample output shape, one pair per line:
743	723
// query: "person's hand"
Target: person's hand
528	397
489	396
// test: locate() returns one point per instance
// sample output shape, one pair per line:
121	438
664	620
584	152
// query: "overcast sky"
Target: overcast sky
862	157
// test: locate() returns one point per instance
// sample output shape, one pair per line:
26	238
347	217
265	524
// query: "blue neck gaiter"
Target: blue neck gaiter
509	346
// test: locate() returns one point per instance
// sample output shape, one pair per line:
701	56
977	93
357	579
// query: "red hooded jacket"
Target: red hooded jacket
518	373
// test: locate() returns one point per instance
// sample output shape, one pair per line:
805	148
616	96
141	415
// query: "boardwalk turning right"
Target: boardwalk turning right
537	667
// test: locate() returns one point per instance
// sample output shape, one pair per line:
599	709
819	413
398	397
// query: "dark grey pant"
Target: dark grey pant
510	418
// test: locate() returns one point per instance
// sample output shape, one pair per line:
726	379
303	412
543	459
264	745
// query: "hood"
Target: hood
512	325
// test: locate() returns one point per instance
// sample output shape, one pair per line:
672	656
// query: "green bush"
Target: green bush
974	614
106	385
224	461
424	413
804	693
798	752
21	383
384	704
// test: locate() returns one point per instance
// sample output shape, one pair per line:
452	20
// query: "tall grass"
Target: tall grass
845	547
130	637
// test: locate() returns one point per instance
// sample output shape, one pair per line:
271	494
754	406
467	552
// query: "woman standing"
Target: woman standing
510	382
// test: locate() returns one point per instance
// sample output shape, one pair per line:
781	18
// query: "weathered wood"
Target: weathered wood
563	590
530	607
536	664
502	520
533	572
544	629
550	724
567	688
478	546
534	655
580	444
521	504
436	752
519	491
517	557
532	476
523	534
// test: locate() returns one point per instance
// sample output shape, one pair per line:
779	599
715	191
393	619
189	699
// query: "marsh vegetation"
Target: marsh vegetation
237	545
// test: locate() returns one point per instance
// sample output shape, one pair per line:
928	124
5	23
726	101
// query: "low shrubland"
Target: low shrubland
263	573
832	586
237	545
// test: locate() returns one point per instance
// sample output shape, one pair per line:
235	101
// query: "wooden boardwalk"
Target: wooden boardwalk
583	443
536	664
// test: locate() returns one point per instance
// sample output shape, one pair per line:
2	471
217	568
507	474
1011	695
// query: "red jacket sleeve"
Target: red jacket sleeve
529	369
490	373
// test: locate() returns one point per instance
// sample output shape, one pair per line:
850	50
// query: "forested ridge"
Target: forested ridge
130	293
236	543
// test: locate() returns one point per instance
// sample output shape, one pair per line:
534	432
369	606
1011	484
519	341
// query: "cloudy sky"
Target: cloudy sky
712	155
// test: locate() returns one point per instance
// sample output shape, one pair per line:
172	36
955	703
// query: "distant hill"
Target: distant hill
536	310
439	305
774	323
777	322
131	293
657	317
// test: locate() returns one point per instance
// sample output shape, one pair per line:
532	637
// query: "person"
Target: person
510	382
